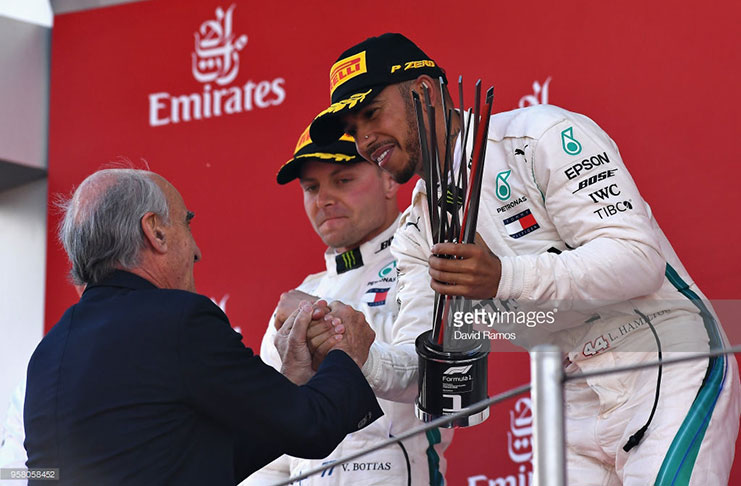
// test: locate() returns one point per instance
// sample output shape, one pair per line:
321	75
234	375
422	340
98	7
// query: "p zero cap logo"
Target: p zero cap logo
346	69
570	145
503	190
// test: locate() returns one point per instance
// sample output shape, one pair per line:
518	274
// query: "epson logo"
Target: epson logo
586	165
595	179
605	193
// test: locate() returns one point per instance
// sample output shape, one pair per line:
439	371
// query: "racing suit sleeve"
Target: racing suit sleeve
268	352
416	299
613	250
12	434
391	367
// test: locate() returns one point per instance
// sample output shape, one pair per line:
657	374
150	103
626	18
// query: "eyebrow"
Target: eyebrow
189	215
336	171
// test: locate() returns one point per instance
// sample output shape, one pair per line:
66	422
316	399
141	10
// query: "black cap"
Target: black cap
340	151
362	72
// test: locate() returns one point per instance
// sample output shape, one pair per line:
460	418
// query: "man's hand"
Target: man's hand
291	343
289	302
323	334
347	328
474	273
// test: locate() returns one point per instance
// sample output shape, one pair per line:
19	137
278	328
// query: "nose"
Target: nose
197	254
325	196
364	139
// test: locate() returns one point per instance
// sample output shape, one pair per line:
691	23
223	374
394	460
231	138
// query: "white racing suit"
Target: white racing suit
367	282
561	211
12	435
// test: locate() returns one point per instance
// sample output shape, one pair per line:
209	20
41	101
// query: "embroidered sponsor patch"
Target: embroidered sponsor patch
346	69
375	297
521	224
349	260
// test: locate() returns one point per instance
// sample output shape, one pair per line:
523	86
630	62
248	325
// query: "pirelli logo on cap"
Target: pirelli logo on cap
303	140
346	69
345	137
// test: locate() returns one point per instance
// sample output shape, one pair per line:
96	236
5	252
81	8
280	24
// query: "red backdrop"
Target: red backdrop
660	77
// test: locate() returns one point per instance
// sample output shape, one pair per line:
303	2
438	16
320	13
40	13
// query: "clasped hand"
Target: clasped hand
312	331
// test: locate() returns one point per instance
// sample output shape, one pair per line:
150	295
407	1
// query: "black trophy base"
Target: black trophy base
451	381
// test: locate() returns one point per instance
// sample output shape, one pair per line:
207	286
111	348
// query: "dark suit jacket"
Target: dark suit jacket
139	385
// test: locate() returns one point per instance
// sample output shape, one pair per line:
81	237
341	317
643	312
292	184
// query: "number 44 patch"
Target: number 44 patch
595	347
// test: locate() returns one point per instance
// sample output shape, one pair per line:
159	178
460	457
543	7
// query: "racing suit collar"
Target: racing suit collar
338	263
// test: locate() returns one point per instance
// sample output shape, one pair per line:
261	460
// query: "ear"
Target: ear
154	232
433	88
390	186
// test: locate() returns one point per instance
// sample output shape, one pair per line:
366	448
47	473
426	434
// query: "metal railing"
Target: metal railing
547	380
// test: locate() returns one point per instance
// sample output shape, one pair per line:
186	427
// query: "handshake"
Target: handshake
308	329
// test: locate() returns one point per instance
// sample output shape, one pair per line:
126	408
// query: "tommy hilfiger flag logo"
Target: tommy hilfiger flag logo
521	224
376	297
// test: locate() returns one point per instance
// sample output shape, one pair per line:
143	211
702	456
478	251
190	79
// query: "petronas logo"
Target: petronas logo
570	145
503	189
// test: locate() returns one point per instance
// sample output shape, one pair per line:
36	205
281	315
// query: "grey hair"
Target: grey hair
101	224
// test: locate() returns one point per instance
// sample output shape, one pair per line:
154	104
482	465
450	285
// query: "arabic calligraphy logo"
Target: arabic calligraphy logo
520	435
216	56
539	96
215	60
519	449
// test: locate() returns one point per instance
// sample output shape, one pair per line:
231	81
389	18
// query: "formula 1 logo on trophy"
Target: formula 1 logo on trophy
452	372
216	55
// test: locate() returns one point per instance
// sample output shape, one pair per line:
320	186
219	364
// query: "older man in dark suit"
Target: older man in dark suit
145	382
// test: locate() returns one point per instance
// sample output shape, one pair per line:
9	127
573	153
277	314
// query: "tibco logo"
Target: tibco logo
215	59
